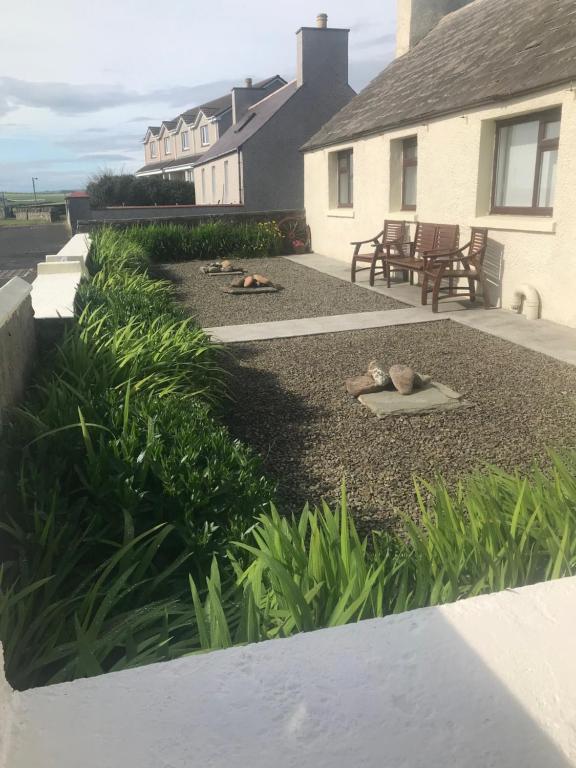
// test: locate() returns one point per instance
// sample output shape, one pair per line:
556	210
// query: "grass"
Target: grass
28	197
18	223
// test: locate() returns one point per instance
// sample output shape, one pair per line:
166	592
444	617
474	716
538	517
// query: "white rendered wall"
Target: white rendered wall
54	289
455	161
485	682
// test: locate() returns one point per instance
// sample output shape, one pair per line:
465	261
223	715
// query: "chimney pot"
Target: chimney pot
248	82
322	20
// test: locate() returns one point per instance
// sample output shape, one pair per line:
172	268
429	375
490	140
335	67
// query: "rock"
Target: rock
237	283
377	371
421	379
249	282
226	263
403	378
362	385
261	280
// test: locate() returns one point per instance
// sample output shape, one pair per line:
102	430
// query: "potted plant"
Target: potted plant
299	246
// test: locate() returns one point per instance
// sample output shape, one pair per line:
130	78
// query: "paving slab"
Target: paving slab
432	397
310	326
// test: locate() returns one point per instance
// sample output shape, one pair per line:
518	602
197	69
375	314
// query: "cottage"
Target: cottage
473	123
257	162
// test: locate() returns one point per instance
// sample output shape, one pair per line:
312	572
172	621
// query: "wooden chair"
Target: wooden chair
460	264
428	239
392	241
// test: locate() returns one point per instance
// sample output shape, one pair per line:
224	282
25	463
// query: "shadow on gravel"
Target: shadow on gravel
274	422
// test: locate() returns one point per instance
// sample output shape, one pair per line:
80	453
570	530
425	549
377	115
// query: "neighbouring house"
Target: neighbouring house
257	162
172	149
473	123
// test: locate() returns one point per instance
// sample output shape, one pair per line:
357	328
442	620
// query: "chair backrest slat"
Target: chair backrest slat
394	231
478	246
424	237
447	236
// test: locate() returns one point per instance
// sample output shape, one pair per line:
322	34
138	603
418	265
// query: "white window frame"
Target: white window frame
153	149
225	200
213	179
185	139
203	178
204	135
167	145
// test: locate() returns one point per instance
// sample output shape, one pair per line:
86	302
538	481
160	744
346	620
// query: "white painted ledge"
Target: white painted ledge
11	297
484	682
495	221
78	245
53	295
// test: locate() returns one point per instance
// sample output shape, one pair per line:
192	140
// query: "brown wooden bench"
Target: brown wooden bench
428	239
389	242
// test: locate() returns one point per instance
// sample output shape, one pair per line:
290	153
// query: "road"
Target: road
21	248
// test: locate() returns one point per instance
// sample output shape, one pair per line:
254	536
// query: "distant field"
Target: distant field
4	223
28	197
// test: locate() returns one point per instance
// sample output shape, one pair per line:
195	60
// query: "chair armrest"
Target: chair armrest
371	240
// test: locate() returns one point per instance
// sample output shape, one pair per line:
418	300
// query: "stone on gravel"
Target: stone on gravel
403	378
378	371
362	385
237	283
261	280
248	281
421	380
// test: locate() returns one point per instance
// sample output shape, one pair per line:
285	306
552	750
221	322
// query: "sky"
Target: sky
81	81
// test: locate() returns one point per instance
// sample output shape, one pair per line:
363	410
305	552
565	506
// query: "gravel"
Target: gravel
306	293
292	407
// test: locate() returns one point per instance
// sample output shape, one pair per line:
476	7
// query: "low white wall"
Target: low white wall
54	289
485	682
6	714
17	340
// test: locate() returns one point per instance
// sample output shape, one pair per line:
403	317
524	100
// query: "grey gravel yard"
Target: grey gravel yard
291	406
306	293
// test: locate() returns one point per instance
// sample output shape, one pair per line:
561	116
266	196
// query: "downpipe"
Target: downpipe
529	296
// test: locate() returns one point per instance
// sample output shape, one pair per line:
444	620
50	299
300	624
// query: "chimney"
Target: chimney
322	54
248	82
415	18
243	98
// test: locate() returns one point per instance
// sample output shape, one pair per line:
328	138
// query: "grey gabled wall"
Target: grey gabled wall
273	163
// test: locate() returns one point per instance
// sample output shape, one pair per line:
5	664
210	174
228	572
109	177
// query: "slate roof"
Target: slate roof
221	104
488	51
162	165
250	123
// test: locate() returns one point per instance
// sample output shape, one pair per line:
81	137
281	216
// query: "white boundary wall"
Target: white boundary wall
54	289
489	681
17	340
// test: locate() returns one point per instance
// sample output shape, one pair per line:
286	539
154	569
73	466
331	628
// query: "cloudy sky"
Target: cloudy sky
80	81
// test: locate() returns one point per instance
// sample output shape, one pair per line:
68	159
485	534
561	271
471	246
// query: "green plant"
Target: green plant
109	189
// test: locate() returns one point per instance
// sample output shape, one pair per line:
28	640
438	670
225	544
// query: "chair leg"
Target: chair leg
353	272
424	299
436	291
472	287
372	270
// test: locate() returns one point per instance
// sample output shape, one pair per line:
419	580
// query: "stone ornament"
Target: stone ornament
379	377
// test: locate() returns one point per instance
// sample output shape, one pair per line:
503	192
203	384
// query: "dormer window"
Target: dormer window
204	136
167	146
185	140
153	149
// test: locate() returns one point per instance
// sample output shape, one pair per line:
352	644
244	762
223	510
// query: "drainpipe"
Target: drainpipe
531	301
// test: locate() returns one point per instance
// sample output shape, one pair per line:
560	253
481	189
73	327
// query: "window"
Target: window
185	140
225	200
525	164
204	136
409	173
345	175
153	149
167	146
204	185
213	172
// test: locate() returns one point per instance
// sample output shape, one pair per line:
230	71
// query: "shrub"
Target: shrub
109	189
497	531
214	240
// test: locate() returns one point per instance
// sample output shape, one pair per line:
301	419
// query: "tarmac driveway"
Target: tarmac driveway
21	248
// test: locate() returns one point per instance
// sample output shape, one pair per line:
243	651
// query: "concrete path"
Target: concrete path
311	326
